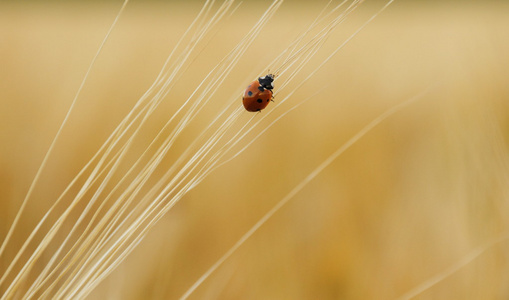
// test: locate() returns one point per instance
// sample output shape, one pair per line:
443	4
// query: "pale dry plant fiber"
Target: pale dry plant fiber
121	209
118	214
206	25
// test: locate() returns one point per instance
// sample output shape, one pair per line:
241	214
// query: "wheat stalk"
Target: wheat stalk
115	224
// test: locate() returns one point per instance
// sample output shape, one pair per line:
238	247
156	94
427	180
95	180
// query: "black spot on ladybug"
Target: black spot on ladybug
249	93
259	100
268	100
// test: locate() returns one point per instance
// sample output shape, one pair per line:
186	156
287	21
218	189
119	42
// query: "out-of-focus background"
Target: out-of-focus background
411	198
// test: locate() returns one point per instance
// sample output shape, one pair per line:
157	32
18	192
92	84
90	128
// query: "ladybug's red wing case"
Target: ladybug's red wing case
254	99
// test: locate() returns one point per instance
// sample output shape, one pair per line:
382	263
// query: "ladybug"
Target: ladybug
258	94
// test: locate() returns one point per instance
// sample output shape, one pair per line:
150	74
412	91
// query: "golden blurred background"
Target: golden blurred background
413	197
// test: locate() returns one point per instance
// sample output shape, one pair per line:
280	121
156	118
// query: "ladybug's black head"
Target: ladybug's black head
266	82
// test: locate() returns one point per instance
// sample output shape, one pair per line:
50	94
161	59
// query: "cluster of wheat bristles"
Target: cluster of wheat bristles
145	166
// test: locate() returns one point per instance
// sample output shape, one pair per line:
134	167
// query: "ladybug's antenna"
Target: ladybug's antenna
274	75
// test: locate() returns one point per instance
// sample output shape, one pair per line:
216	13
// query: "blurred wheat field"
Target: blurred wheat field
413	197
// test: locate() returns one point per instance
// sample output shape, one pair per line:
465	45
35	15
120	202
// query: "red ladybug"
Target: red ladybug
259	93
